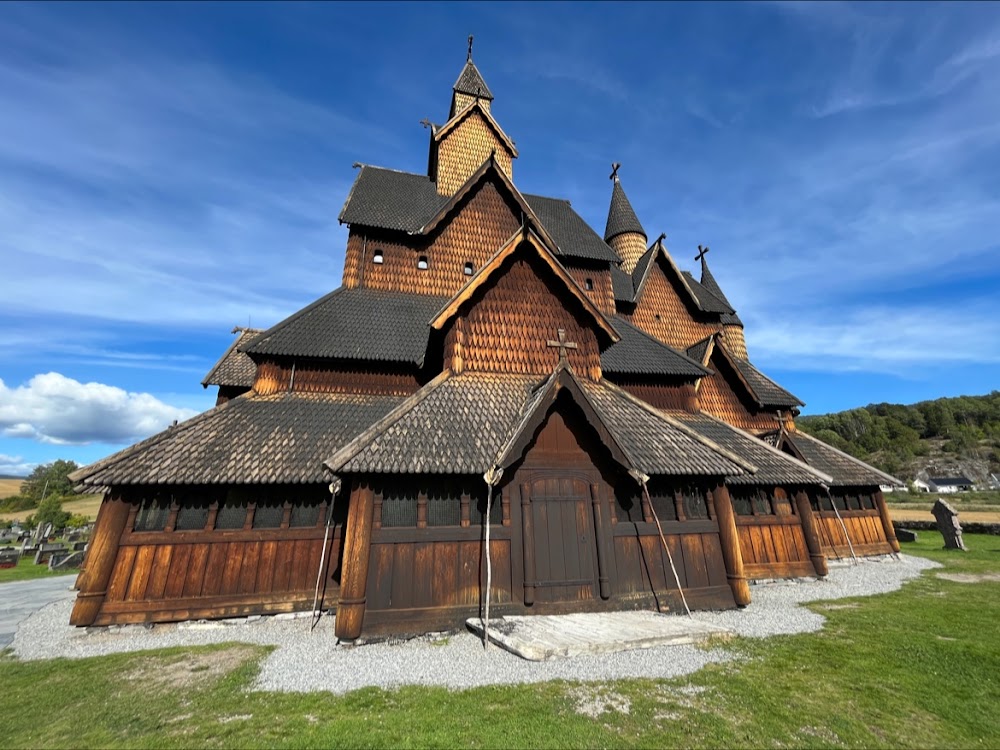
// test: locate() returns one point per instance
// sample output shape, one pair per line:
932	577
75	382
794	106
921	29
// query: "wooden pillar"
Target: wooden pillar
730	545
883	512
101	556
465	520
357	551
599	538
811	533
421	510
528	545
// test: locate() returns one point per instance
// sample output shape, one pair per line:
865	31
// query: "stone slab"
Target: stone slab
545	637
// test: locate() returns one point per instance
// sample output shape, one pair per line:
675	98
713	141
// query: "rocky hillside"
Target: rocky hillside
945	437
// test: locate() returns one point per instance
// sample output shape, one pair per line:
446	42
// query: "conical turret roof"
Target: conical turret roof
708	281
621	216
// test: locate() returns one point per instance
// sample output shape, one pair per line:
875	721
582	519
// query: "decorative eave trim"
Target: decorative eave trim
528	235
443	131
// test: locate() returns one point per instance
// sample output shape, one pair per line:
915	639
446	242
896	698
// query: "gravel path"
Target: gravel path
308	661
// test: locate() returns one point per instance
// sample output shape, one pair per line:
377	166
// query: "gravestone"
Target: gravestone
65	559
905	535
45	551
79	546
947	523
9	557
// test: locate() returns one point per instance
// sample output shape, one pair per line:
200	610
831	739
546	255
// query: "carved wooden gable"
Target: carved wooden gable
661	311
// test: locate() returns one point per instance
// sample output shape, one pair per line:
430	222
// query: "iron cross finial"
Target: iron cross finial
615	166
470	49
701	252
562	343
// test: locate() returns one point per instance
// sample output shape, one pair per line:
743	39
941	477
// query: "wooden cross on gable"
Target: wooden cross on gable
701	252
563	344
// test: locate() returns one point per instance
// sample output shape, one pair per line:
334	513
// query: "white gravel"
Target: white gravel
313	661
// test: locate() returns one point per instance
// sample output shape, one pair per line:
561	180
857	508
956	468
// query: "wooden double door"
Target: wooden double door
561	536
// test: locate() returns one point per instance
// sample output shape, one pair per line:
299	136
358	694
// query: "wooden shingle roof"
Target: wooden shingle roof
402	201
638	353
234	367
773	466
470	81
843	469
282	438
706	300
462	424
357	323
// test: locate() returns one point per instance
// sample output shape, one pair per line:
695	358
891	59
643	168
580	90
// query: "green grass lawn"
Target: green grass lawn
916	668
26	570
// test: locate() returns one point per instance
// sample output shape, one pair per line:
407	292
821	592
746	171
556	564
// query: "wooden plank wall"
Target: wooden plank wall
773	544
864	528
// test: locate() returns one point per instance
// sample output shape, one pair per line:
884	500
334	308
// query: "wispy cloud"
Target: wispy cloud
15	466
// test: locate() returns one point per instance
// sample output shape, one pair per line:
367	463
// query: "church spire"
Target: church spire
469	87
623	232
707	279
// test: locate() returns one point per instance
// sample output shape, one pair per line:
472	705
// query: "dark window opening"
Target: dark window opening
742	505
422	263
853	502
268	515
304	515
839	502
664	506
826	503
468	269
399	510
629	508
477	510
152	515
867	502
695	503
762	503
232	515
378	258
192	516
588	284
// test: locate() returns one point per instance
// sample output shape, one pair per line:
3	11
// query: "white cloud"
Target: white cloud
52	408
14	466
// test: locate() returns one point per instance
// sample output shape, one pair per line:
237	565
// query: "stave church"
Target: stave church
495	385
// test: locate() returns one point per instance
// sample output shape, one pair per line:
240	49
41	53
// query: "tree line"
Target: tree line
44	491
891	436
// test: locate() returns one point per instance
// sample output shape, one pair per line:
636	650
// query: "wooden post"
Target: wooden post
528	545
421	510
357	551
730	540
101	556
811	534
602	563
883	512
679	505
465	520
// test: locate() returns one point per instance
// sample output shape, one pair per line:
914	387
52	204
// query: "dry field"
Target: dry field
9	487
85	505
966	516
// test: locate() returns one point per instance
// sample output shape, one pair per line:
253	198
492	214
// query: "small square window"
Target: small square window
378	258
468	269
422	263
588	284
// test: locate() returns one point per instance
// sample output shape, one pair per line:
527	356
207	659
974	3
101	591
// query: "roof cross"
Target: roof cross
563	344
615	166
470	48
701	252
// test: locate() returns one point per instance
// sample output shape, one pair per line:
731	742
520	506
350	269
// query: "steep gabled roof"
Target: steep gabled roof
621	216
388	199
706	300
571	233
761	388
470	81
844	470
645	265
355	323
701	351
234	368
474	422
621	285
708	281
638	353
522	237
282	438
402	201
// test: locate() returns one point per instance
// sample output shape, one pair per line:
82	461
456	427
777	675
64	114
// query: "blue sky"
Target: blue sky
170	171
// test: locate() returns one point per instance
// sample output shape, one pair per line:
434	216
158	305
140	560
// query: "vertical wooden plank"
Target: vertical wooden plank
444	585
746	548
158	572
677	552
140	573
121	575
282	565
265	567
781	551
298	576
714	562
500	557
423	570
195	578
470	571
694	560
402	577
757	542
248	570
178	571
381	574
231	568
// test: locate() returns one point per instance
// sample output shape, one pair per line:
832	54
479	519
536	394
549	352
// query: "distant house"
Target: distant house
891	487
919	485
950	484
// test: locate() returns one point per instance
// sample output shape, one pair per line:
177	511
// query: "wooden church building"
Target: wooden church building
490	367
